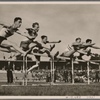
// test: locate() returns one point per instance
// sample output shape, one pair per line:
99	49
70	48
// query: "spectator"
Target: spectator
55	76
97	76
65	76
9	71
48	78
70	74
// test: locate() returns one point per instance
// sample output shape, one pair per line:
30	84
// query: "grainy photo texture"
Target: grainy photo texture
49	49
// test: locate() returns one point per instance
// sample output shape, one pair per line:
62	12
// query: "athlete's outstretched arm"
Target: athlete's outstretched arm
88	45
54	41
76	44
6	26
16	31
95	47
29	37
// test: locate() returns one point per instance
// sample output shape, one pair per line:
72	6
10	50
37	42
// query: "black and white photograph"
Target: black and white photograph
50	49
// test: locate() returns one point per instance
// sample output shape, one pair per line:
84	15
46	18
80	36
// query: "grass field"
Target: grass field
52	90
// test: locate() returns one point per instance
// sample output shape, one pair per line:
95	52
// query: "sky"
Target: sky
63	22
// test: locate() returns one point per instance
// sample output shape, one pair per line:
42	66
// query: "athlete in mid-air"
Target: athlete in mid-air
44	48
75	47
8	31
87	49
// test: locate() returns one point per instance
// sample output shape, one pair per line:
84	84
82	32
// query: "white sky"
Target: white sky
57	21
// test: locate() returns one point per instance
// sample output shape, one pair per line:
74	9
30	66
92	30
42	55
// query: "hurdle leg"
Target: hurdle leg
88	70
72	70
14	76
53	69
26	71
51	64
23	81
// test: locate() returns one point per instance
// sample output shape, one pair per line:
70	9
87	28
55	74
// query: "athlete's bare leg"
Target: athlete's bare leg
9	45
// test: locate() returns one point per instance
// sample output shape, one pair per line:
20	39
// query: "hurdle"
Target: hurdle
96	62
72	65
51	65
24	67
